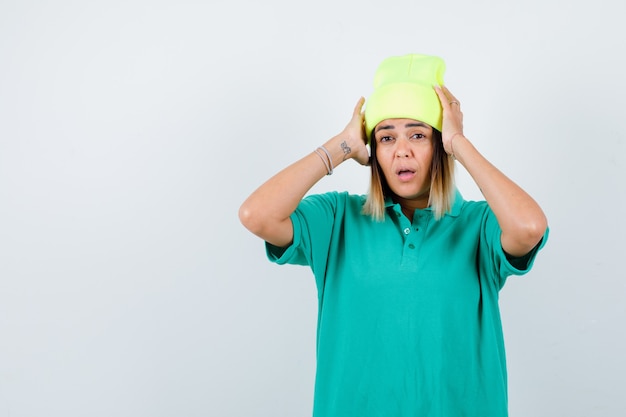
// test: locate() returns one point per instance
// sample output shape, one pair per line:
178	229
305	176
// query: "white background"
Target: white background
131	131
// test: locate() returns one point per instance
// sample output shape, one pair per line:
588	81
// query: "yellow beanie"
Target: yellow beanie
403	89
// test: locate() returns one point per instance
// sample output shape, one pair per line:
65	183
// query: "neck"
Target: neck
409	205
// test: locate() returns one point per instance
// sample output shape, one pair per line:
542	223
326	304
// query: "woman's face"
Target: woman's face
404	150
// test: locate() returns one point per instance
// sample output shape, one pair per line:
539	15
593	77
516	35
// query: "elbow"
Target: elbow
527	235
257	219
264	223
533	230
249	219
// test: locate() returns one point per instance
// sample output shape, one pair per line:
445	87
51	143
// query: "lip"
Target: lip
405	174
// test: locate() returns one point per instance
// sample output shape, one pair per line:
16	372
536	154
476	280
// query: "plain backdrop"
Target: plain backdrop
131	131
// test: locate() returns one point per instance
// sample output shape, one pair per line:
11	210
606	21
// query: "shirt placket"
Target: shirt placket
413	234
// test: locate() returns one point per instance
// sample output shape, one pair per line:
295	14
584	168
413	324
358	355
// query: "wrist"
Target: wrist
339	149
452	140
327	159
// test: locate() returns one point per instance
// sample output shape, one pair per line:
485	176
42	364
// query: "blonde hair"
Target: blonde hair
442	188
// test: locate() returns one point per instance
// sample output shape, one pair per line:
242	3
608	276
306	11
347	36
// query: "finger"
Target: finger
451	97
357	109
442	97
446	99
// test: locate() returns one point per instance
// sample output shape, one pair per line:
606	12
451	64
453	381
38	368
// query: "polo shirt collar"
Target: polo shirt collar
455	210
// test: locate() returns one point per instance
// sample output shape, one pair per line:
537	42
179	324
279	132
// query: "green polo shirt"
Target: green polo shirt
408	318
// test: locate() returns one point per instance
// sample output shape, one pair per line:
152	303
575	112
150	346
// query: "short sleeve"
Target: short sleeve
312	222
292	254
493	261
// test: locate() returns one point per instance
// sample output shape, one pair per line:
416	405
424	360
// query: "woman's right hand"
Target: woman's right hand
266	212
353	137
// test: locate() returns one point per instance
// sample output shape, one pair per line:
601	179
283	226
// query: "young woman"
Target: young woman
408	276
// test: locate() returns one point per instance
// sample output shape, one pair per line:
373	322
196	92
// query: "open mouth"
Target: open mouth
405	174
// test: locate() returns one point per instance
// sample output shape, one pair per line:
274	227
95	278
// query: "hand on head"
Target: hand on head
354	136
452	117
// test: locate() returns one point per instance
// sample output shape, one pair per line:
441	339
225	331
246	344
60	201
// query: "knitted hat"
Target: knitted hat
403	89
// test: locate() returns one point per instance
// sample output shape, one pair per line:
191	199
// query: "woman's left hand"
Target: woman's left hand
452	118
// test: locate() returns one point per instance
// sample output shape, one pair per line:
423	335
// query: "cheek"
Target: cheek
427	158
384	161
425	155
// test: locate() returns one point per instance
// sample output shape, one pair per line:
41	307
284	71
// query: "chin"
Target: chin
411	195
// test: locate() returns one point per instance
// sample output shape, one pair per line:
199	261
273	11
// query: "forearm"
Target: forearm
267	210
521	219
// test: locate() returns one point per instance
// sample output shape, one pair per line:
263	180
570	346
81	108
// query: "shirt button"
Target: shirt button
411	246
407	231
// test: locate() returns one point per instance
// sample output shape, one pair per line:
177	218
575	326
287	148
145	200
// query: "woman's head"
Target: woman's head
403	120
408	163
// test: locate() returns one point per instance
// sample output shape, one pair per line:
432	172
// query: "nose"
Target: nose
402	150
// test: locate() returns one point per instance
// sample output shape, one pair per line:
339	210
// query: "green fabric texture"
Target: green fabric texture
408	319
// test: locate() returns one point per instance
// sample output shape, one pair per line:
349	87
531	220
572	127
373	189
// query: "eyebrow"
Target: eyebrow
411	124
416	124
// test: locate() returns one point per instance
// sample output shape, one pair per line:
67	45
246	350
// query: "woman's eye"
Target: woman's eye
418	136
385	139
